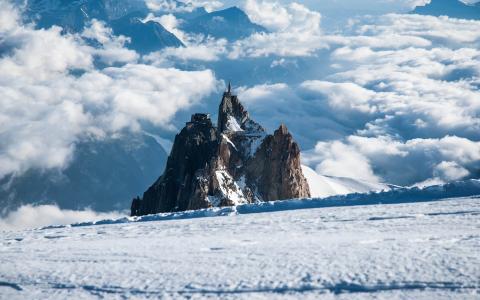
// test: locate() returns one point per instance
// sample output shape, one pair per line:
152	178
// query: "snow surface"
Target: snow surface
255	141
229	141
232	124
229	188
415	250
324	186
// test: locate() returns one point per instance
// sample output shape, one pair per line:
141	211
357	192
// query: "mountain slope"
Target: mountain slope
325	186
124	17
145	37
450	8
104	175
72	16
83	10
231	23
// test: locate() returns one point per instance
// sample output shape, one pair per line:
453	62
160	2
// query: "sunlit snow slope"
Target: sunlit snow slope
324	186
425	250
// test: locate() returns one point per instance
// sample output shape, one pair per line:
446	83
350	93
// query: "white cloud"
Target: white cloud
209	50
163	5
341	160
171	6
420	91
112	50
437	30
293	17
137	92
450	170
8	17
405	163
29	216
52	96
171	23
295	29
398	97
295	32
397	87
339	95
308	118
197	47
271	15
34	59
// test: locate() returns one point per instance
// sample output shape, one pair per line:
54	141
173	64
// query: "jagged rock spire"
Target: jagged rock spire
236	162
232	115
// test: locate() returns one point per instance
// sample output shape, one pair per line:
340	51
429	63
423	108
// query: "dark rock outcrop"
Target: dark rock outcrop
234	163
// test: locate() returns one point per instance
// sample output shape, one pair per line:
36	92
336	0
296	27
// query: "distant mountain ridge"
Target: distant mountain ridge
126	18
450	8
231	23
103	175
111	9
123	16
73	15
145	37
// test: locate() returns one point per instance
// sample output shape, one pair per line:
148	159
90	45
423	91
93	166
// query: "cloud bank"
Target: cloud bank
400	105
390	98
50	97
29	216
171	6
398	80
294	31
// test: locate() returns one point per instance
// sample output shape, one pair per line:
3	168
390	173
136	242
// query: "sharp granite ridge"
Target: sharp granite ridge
237	162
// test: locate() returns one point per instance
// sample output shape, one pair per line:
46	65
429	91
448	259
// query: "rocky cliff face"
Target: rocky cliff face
234	163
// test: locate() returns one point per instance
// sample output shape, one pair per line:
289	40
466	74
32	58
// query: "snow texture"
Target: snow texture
229	141
232	124
395	196
408	250
229	188
255	141
324	186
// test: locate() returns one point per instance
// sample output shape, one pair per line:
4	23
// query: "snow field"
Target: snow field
426	250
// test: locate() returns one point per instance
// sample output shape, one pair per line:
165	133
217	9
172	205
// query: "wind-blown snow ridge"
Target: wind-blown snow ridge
466	188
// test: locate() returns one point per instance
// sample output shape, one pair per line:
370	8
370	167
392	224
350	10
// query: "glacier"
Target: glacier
398	244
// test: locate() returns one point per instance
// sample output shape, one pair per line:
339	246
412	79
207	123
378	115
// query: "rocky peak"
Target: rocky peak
282	130
234	163
233	117
200	120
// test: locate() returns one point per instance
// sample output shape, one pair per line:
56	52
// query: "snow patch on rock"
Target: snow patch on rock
229	188
229	141
232	125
